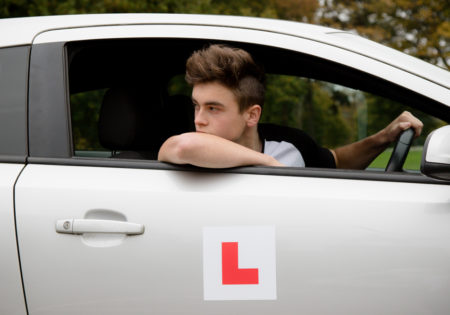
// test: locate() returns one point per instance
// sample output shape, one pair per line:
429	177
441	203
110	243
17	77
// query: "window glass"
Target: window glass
85	111
335	115
178	86
13	100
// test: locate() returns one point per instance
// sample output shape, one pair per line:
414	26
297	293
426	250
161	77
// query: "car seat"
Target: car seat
134	123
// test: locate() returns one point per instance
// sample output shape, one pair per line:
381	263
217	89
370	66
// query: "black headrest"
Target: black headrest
131	120
181	112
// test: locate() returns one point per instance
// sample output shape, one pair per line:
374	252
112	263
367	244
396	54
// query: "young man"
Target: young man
228	96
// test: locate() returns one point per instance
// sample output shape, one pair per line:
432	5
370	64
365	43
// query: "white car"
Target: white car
91	223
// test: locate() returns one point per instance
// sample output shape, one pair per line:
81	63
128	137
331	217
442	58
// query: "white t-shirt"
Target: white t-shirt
284	152
293	147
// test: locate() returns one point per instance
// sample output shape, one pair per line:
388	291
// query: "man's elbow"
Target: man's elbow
178	149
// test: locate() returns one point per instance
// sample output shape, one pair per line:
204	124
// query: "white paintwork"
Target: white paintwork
11	294
391	56
22	31
343	246
312	47
25	29
438	150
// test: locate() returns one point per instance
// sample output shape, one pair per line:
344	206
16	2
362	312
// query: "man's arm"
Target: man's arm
359	155
211	151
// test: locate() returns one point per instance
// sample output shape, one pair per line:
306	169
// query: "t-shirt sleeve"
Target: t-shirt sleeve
313	154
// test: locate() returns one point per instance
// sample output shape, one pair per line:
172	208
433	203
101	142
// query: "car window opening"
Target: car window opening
129	96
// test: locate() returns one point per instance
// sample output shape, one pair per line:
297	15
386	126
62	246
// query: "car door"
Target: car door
101	236
336	239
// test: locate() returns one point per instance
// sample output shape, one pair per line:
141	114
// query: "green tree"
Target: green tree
16	8
313	106
420	28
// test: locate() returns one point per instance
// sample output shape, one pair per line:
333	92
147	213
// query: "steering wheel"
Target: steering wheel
400	151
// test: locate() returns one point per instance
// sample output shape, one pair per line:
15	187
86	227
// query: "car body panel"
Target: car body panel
11	292
342	246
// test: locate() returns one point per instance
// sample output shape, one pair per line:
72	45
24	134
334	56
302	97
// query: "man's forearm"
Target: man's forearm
359	155
210	151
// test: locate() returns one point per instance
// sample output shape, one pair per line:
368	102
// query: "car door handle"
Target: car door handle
80	226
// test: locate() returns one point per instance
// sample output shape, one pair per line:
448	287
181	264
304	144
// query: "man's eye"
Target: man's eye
212	108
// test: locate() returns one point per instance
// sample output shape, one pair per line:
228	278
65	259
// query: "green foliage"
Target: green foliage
16	8
420	28
178	85
309	105
85	109
381	111
284	98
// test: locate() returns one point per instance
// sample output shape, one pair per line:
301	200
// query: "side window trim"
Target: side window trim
14	63
256	170
48	106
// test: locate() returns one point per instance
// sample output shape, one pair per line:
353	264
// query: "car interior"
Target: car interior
128	95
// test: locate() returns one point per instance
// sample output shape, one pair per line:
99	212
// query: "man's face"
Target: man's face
217	111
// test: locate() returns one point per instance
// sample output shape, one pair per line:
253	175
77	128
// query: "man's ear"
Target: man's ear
253	115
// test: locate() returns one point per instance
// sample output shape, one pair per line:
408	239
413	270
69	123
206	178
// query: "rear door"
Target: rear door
148	237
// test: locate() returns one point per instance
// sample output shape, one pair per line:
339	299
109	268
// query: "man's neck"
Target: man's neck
250	139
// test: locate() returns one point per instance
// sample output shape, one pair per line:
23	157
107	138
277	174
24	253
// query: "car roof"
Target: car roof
22	31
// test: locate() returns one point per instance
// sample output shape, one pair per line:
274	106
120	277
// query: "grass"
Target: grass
412	161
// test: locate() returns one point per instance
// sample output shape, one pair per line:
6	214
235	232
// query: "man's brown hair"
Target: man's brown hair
232	67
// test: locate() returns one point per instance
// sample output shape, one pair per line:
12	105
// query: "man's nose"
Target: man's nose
200	118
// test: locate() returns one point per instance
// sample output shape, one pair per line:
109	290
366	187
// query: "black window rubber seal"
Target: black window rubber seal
405	177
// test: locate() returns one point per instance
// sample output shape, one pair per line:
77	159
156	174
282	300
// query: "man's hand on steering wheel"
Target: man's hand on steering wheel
405	121
403	130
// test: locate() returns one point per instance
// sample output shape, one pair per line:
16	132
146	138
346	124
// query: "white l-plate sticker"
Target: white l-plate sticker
239	263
